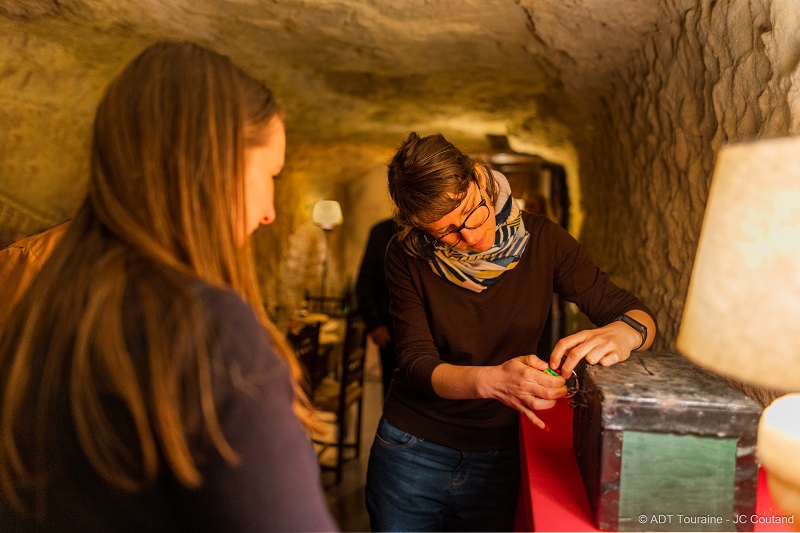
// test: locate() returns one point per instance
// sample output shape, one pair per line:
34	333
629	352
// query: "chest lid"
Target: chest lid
665	392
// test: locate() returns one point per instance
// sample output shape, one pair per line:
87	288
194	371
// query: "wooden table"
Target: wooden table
552	496
311	318
332	331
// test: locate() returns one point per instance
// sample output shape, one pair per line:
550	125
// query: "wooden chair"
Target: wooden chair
341	393
334	306
305	341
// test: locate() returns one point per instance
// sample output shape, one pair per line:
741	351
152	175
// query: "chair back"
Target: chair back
342	392
353	356
334	306
305	341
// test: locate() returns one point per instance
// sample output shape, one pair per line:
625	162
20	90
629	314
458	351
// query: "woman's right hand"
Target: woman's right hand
522	384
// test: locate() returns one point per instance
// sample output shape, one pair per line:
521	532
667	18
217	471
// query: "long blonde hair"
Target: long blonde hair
165	205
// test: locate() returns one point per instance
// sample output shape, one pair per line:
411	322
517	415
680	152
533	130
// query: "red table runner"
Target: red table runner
552	496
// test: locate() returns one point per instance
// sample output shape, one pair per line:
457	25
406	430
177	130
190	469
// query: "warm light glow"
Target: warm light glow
327	214
743	307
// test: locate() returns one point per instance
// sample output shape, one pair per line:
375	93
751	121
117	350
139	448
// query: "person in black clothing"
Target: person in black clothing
372	294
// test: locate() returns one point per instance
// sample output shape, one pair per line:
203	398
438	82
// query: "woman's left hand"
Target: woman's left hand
606	346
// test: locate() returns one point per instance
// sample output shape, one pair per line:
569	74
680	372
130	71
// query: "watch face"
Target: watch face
635	324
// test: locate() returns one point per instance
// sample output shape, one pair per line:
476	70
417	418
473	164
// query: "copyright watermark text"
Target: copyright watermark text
712	519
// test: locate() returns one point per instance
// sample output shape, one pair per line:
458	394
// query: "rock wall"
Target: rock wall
716	73
290	252
633	98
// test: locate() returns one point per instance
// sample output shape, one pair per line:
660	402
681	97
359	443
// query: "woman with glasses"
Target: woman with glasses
471	279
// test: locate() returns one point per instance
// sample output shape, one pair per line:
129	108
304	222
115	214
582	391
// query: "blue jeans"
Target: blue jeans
415	485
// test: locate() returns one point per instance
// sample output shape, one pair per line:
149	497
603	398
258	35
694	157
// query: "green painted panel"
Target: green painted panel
676	482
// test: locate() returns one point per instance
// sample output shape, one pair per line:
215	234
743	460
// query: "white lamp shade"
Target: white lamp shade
742	313
327	214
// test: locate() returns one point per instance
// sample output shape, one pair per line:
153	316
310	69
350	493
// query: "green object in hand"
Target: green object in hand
571	382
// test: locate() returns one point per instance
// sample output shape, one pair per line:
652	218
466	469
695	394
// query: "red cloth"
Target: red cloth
552	496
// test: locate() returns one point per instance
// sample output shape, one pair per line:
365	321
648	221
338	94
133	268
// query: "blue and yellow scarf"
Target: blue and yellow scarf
477	271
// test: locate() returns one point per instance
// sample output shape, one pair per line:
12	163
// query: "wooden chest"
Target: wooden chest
663	445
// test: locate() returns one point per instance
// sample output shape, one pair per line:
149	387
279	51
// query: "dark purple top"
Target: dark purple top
276	487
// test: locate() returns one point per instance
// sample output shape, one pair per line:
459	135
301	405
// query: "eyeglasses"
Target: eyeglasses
474	220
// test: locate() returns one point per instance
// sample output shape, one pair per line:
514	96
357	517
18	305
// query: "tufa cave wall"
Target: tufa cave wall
634	98
716	73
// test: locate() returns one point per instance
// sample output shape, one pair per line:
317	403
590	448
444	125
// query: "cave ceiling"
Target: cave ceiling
355	72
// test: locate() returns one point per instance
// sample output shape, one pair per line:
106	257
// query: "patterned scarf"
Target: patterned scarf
476	271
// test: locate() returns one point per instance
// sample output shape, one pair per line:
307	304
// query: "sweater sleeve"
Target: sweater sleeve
579	280
20	263
18	267
276	486
417	354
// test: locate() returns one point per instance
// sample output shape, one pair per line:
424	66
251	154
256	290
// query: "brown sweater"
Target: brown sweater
20	263
439	322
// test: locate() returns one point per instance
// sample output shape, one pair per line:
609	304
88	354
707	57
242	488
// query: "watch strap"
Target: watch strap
635	324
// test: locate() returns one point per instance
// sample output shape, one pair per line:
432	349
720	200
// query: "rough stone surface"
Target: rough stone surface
715	73
633	97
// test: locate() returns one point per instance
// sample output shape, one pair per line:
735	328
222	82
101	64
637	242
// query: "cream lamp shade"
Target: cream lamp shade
742	312
743	306
327	214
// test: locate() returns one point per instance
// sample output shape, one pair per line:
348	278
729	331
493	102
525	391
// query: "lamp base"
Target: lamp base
786	495
778	451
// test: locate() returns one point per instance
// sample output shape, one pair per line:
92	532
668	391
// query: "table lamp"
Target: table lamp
742	310
327	214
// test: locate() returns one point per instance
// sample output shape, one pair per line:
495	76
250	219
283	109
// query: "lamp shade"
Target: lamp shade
327	214
742	310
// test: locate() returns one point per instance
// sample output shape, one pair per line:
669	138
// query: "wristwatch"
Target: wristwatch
635	324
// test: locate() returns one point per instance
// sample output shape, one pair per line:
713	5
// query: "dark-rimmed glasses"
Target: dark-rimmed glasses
474	220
